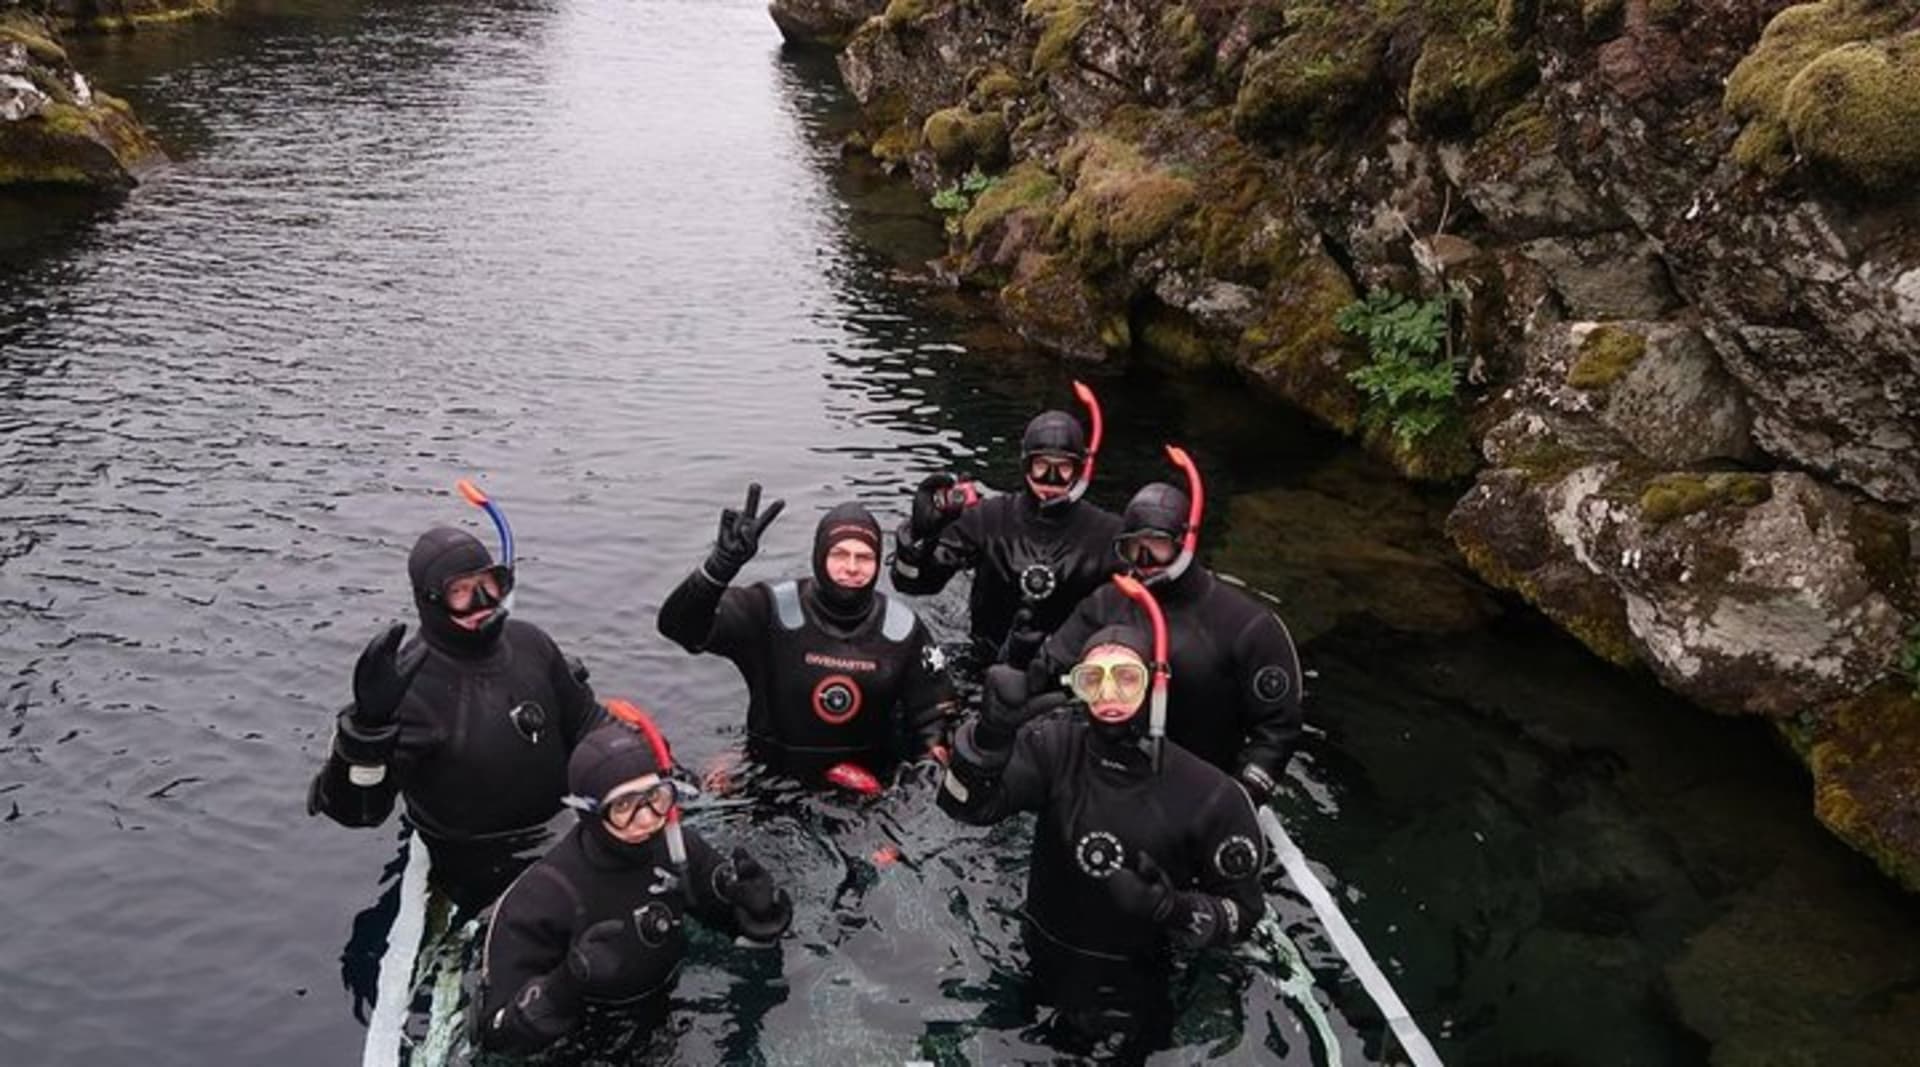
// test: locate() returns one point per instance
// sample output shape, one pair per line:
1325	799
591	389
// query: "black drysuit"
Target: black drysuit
870	689
1234	695
1047	559
473	780
587	879
1099	803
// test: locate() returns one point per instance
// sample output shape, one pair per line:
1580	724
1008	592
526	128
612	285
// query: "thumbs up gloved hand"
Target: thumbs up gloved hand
366	731
934	507
547	1008
760	909
1192	919
739	537
1011	701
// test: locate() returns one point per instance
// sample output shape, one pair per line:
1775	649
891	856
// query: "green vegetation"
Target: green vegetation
1606	355
30	32
957	199
1837	82
1412	375
1120	203
1060	24
958	135
901	12
1027	186
1675	496
1467	81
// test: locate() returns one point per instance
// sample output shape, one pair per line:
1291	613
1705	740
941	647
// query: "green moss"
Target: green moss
1855	112
1314	79
1172	337
901	12
1606	355
126	20
958	136
1757	89
1674	496
34	34
895	144
1467	82
1763	146
1183	38
1299	351
1584	610
1060	24
996	85
1866	772
1516	18
1027	187
1120	202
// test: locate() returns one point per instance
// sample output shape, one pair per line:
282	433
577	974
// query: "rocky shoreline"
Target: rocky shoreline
55	128
1673	246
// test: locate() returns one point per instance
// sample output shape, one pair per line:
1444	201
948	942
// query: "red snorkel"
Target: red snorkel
1196	507
676	841
1157	713
1098	429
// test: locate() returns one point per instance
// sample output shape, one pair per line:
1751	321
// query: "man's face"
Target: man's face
852	564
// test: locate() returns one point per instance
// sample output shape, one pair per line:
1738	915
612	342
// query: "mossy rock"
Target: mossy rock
895	144
1052	305
1314	80
1516	18
100	146
902	12
1606	355
1120	202
1299	352
995	86
1675	496
958	136
1027	187
1465	83
1444	455
1602	18
1668	13
1171	337
1060	23
1757	90
35	36
123	16
1866	773
1854	113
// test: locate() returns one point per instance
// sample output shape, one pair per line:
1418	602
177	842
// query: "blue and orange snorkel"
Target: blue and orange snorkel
480	500
1137	592
630	714
1196	509
1096	431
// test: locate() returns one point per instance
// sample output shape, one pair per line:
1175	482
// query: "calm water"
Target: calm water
604	256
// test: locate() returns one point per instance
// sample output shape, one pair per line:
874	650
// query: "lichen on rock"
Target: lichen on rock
63	132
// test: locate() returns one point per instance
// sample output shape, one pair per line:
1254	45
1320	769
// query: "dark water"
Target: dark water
604	256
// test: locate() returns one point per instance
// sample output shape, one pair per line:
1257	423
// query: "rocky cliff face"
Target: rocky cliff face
55	128
1675	241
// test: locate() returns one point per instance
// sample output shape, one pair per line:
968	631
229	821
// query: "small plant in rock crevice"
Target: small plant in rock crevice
1412	376
957	199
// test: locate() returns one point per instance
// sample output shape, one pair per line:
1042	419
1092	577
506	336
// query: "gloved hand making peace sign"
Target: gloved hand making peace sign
739	537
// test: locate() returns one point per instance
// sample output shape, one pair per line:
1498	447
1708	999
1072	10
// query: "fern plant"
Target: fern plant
957	199
1412	374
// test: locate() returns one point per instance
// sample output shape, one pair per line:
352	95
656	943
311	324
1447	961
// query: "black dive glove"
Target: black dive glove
546	1008
1192	919
934	507
1260	785
760	910
1012	701
1023	641
739	537
366	731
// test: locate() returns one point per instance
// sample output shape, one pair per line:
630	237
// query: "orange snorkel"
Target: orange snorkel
631	714
1157	710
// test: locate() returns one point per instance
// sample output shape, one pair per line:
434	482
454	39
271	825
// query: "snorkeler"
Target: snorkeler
843	681
1141	847
1236	681
1034	554
598	920
471	722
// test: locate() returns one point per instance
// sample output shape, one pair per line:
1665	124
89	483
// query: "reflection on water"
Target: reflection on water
605	257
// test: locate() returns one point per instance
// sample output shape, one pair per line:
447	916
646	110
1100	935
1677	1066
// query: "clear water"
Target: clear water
605	256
